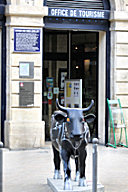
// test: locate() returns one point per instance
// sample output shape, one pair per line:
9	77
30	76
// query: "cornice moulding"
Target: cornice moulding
119	16
26	11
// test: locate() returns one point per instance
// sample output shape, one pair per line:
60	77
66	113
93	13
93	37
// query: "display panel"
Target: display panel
26	94
73	93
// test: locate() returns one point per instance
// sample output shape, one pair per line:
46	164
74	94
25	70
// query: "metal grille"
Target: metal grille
85	4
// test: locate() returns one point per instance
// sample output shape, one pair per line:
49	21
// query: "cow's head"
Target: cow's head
75	121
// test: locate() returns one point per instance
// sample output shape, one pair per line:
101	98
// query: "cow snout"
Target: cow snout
76	137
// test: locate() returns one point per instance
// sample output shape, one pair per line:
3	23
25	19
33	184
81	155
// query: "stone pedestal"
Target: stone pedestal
58	186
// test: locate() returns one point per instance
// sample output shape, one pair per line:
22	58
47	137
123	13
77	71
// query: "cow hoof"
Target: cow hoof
82	182
57	175
68	185
77	176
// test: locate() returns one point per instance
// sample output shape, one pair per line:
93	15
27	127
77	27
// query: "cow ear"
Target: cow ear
60	118
89	118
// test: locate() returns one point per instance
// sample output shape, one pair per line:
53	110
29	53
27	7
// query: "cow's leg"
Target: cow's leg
77	169
56	160
67	172
82	158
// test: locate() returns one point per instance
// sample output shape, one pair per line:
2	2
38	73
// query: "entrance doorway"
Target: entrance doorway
69	55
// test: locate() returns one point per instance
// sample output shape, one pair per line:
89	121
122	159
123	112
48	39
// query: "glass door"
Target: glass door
55	71
68	55
84	65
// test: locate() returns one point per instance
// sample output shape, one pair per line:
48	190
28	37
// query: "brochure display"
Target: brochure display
73	93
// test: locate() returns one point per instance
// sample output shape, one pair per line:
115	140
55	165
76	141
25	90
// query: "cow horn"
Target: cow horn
90	106
64	109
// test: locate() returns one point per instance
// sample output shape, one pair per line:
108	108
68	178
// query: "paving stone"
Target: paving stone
28	170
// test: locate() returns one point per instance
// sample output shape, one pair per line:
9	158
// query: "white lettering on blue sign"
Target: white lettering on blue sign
79	13
27	40
59	12
73	13
91	14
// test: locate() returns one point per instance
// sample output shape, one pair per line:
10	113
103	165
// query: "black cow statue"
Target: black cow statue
69	135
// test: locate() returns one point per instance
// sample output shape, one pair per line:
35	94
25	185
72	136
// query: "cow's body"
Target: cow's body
69	135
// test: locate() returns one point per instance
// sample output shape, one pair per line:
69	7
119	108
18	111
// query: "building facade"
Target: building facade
2	66
49	41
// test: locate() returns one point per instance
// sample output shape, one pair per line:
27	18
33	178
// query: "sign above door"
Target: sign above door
78	13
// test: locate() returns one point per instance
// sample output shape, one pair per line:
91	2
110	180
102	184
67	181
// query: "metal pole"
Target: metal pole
94	186
69	48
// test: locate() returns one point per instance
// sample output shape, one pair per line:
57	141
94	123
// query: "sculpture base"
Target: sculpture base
58	186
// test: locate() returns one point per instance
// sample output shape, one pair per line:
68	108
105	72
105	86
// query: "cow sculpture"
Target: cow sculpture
69	135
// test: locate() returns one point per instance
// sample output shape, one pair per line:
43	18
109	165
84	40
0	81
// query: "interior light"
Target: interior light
76	47
77	67
86	65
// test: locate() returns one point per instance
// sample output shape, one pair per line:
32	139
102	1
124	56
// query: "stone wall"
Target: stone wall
24	127
119	53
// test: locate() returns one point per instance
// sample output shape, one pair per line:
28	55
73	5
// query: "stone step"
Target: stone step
58	186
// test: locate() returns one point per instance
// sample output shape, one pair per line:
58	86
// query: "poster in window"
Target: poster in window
62	77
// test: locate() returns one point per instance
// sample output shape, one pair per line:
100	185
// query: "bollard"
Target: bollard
1	166
94	186
1	144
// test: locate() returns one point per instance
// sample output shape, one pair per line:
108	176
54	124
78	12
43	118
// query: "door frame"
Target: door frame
103	83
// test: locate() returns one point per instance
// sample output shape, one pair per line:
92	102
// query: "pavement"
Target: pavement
28	170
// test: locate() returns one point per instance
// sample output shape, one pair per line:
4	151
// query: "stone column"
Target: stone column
24	127
119	57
